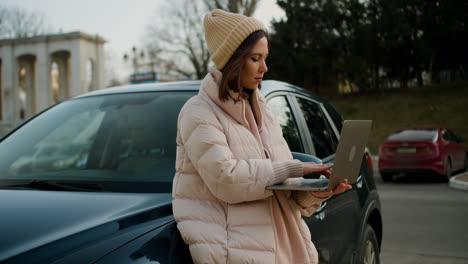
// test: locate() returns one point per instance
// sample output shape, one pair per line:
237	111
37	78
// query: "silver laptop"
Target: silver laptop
347	163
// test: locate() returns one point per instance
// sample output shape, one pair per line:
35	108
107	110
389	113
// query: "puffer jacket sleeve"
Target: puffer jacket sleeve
229	179
307	202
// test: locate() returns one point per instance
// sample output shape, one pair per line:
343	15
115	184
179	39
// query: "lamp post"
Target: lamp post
135	58
138	60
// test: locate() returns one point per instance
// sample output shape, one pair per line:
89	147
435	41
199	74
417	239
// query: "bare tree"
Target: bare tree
176	40
176	35
19	23
111	71
3	13
246	7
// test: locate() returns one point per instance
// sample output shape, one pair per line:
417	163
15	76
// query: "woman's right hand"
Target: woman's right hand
312	167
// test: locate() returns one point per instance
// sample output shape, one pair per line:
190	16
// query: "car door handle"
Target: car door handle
320	213
359	182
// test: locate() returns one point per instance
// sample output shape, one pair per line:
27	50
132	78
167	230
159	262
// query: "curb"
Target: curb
457	184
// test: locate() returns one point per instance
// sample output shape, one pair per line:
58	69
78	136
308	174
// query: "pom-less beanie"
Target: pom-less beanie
225	32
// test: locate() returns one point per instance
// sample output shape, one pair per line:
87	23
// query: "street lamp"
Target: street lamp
138	60
135	58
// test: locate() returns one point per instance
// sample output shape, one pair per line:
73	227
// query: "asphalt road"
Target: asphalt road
424	220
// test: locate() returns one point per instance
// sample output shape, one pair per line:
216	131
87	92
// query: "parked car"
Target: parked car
369	160
89	180
426	149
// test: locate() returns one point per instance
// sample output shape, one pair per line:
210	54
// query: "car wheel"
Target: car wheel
386	177
370	248
448	169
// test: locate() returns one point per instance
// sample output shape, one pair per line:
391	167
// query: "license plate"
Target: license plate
406	150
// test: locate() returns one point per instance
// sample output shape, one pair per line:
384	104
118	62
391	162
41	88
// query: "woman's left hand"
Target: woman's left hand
341	188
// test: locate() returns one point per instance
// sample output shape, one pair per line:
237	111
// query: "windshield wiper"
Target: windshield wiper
48	185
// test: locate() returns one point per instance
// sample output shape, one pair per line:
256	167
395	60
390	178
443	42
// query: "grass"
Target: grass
439	105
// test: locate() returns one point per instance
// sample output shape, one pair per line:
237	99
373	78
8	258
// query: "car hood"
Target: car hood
31	219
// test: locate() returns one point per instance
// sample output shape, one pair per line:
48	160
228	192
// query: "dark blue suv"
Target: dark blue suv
89	180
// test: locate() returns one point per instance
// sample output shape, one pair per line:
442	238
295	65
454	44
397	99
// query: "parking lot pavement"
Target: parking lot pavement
424	220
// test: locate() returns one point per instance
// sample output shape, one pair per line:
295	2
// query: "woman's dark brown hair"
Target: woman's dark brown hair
232	69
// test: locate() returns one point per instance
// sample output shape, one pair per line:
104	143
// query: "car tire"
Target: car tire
370	252
386	177
448	169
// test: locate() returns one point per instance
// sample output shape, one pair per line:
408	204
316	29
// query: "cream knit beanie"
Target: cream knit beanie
225	32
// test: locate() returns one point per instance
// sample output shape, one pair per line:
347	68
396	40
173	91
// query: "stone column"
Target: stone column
100	72
64	76
9	82
43	85
76	69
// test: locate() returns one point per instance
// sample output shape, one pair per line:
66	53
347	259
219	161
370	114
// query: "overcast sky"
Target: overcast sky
121	22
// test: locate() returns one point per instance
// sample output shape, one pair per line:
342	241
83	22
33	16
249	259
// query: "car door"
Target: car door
307	129
457	151
335	226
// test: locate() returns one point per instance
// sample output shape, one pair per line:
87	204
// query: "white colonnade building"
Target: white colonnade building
40	71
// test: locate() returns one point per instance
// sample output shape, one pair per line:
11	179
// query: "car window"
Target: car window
282	110
451	136
335	116
414	134
124	137
445	134
323	138
67	146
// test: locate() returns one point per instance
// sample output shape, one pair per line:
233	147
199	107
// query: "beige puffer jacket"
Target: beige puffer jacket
223	211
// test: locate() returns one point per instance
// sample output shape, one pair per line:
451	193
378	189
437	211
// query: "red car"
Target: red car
422	149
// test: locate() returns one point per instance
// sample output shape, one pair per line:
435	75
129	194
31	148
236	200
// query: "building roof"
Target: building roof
54	37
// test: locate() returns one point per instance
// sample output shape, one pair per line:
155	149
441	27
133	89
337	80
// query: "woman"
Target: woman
229	148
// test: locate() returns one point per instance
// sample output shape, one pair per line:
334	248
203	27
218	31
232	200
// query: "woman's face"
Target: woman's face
252	72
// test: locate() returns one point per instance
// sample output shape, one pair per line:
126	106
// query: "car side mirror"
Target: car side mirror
306	157
461	139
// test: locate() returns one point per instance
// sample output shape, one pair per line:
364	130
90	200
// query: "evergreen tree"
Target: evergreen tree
373	44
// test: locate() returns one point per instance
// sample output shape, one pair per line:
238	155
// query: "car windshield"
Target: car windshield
127	139
414	134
